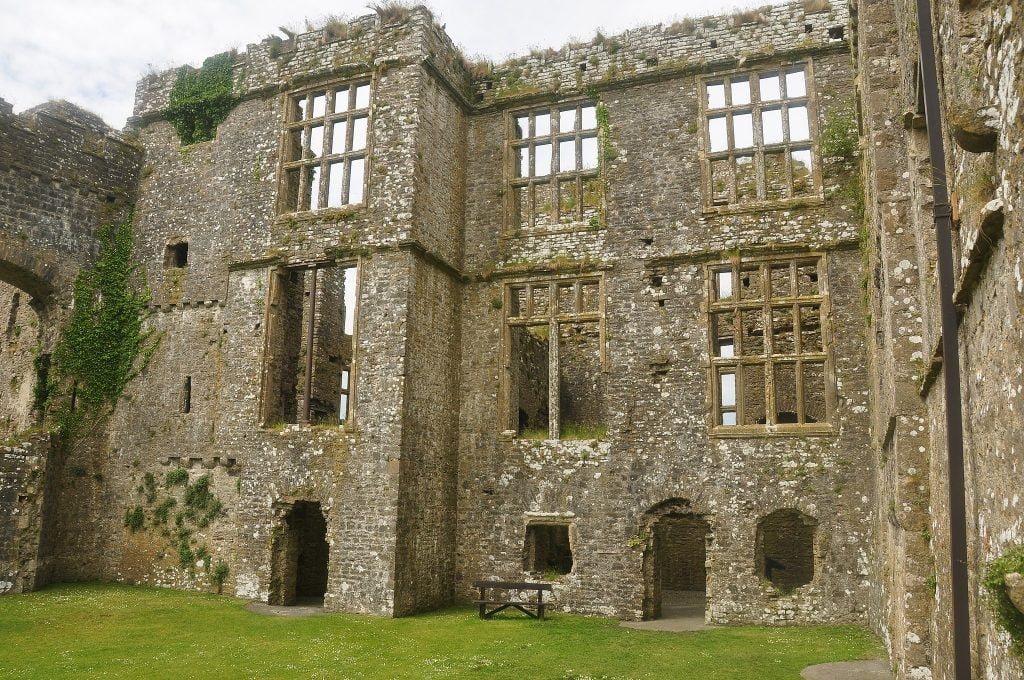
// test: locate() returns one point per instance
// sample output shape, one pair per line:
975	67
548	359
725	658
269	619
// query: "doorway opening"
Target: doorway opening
675	563
300	556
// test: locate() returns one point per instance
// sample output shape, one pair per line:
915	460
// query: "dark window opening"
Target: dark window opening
176	255
808	28
529	384
785	549
555	378
300	557
548	551
310	346
836	32
186	395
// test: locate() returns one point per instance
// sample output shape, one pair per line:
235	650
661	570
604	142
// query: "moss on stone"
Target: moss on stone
1009	618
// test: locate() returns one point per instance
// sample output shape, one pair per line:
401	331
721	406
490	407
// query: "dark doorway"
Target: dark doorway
300	554
675	567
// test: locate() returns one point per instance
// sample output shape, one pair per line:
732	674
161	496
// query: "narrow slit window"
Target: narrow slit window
186	395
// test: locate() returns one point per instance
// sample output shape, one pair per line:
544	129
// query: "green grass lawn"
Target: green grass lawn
112	631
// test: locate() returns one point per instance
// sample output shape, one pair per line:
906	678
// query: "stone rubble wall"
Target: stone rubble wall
24	500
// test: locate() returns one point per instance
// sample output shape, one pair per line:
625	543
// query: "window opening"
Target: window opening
176	255
555	378
555	152
327	140
548	551
767	350
785	549
186	395
311	346
758	137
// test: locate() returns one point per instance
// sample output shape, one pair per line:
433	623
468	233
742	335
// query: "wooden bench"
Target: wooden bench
503	604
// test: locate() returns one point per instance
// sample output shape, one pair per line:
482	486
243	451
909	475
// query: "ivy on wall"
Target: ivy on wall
202	98
104	344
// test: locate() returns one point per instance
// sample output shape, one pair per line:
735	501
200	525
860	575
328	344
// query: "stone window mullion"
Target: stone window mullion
554	392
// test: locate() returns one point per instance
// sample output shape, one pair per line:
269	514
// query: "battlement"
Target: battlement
695	44
370	42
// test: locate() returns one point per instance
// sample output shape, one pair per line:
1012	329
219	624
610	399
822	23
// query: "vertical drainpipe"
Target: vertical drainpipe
950	351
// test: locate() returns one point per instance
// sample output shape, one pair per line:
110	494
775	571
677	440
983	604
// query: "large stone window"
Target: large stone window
310	351
554	156
325	148
769	361
757	139
555	359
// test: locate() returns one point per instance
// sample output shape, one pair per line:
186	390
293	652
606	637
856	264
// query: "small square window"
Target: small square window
548	550
176	255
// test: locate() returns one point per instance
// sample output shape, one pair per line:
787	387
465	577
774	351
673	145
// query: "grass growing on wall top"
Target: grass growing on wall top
78	631
202	98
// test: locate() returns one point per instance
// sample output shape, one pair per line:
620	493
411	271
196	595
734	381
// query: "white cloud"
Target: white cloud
92	53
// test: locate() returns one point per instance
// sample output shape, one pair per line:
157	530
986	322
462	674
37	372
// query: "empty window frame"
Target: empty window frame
326	147
784	549
555	359
548	550
176	255
758	129
554	153
768	344
309	365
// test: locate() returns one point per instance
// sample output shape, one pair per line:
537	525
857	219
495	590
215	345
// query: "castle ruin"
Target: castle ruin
655	312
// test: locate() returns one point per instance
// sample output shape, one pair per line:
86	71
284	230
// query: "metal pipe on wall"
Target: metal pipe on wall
950	351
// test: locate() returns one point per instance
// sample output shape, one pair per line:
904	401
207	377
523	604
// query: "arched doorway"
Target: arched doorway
675	561
300	555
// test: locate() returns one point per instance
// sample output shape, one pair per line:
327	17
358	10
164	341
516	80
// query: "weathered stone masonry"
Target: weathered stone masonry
609	325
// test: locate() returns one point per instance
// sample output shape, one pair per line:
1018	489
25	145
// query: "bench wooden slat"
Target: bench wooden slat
512	585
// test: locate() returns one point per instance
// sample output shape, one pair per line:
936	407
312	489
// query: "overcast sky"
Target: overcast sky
92	52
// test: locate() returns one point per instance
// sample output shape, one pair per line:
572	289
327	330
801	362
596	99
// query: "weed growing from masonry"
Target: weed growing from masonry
202	98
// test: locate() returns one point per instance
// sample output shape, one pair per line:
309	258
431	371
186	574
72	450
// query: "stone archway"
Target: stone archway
299	556
675	559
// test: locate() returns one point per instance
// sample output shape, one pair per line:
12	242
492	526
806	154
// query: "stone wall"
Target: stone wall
20	340
978	50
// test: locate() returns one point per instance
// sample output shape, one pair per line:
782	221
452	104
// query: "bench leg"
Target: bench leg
483	607
540	604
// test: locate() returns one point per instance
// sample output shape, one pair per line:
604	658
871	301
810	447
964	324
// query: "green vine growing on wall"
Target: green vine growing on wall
202	98
105	345
1007	615
840	137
